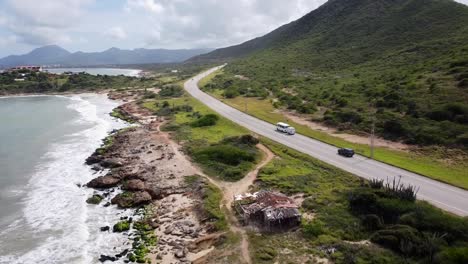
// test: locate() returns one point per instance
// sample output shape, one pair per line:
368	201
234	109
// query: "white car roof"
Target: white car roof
282	124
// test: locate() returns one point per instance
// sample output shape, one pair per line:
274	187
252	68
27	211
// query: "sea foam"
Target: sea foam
56	217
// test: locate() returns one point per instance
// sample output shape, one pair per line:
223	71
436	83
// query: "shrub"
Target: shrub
266	253
362	201
453	255
372	222
313	229
149	95
400	238
121	226
171	91
206	120
394	129
226	154
241	140
95	199
348	117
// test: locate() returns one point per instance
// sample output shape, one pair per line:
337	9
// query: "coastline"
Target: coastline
104	92
63	230
146	169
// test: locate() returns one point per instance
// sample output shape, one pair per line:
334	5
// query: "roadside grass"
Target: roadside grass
212	134
426	163
210	77
324	186
337	200
212	197
207	145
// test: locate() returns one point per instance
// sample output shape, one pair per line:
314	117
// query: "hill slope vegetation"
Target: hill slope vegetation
403	61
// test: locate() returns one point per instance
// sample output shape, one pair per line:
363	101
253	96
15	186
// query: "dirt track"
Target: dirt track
230	189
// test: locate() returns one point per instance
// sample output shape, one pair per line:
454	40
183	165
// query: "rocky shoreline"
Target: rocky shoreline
146	169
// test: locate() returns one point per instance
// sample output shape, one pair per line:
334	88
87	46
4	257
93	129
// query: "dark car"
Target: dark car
346	152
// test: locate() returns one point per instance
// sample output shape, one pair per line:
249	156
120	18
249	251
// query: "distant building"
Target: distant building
30	68
268	211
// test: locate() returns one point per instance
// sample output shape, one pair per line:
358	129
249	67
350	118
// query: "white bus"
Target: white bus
285	128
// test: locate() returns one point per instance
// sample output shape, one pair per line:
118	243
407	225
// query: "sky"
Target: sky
96	25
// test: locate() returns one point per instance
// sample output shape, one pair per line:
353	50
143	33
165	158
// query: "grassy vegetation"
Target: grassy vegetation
352	60
118	113
431	163
212	141
121	226
45	83
95	199
346	208
144	238
181	120
212	197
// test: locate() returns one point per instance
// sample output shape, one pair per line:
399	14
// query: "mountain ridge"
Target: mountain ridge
55	55
403	61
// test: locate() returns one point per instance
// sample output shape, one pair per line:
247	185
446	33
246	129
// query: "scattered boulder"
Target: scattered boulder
105	228
180	253
104	258
111	164
93	159
134	185
95	199
103	182
131	199
156	193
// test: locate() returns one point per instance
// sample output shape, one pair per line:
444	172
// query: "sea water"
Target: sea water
44	217
97	71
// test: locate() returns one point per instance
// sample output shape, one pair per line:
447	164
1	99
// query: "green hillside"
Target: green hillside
404	61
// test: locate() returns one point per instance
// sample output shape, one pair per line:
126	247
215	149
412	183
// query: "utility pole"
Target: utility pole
372	137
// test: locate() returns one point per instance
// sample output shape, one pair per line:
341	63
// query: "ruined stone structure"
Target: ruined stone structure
268	211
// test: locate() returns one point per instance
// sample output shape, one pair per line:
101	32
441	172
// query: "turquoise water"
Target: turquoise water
44	218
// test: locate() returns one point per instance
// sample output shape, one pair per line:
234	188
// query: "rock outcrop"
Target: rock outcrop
102	182
131	199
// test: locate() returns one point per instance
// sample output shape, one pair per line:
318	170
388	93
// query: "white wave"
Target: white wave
55	208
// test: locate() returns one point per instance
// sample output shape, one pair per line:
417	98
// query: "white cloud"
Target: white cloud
48	13
117	33
6	41
213	23
43	23
148	5
144	23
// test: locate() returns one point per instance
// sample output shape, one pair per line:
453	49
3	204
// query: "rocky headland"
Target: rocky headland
147	170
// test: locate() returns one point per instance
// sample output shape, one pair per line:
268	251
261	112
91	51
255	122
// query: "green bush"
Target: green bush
121	226
372	222
95	199
171	91
400	238
206	120
225	154
453	255
313	229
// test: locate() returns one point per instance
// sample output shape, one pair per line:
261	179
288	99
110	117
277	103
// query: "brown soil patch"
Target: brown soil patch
379	142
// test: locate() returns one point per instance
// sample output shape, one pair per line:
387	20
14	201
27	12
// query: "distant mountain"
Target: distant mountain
51	55
403	61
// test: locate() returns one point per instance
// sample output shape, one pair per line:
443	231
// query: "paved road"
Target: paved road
441	195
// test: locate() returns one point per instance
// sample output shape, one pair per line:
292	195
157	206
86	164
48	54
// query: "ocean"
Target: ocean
44	141
97	71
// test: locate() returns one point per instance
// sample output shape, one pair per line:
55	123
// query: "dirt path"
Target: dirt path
230	189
